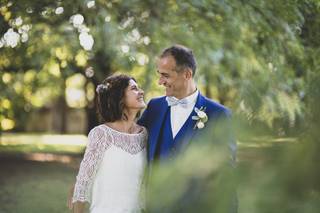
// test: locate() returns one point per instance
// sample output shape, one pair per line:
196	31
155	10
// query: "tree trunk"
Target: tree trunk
92	116
60	113
101	61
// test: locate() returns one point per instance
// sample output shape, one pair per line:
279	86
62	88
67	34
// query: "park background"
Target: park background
259	58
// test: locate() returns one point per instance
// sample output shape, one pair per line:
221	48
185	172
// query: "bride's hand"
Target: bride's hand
79	207
69	200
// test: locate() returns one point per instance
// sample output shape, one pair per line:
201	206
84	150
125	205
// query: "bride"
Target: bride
112	169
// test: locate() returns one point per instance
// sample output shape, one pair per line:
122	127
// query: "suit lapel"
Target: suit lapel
187	131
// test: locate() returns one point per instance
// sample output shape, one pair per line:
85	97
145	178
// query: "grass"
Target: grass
42	143
35	176
40	183
75	144
34	187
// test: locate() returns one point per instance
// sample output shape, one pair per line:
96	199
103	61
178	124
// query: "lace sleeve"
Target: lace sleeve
97	144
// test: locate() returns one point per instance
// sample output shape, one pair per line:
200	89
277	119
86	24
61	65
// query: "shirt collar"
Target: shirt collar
193	97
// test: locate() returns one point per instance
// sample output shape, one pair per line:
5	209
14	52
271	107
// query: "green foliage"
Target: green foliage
202	178
259	57
252	56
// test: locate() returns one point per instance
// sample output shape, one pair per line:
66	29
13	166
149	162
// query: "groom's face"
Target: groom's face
174	82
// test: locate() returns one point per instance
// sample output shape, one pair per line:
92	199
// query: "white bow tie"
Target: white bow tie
172	101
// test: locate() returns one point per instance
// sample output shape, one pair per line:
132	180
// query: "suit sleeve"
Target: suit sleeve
230	170
143	120
232	145
221	134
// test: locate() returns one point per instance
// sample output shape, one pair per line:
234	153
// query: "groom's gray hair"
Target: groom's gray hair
183	56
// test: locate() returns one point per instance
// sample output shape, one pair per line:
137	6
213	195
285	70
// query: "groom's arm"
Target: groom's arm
229	171
223	132
232	147
231	139
143	120
221	135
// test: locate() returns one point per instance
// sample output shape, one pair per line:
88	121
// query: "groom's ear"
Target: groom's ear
188	73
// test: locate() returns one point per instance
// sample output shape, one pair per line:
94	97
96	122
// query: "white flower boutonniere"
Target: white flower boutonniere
201	117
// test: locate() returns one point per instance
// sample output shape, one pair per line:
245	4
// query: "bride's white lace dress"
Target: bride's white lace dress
111	172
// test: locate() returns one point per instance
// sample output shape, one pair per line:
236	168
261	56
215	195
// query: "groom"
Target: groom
169	118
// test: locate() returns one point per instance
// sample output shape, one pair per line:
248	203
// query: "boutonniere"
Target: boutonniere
201	117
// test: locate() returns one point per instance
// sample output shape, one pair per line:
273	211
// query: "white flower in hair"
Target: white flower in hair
102	87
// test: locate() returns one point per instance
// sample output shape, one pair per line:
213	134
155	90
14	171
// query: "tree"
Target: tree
250	54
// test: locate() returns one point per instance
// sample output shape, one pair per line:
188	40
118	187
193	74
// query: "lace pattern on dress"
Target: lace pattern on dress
131	143
98	142
99	139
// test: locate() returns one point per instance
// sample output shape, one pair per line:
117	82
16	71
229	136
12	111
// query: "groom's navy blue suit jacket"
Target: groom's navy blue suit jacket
153	119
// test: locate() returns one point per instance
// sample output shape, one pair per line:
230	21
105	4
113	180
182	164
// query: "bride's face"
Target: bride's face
133	98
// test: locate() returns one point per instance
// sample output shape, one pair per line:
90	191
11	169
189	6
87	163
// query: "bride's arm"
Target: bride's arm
97	144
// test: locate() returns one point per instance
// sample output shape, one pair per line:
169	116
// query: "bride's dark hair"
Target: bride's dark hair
110	101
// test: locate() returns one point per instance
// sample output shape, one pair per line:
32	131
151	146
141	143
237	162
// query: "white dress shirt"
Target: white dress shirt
180	114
